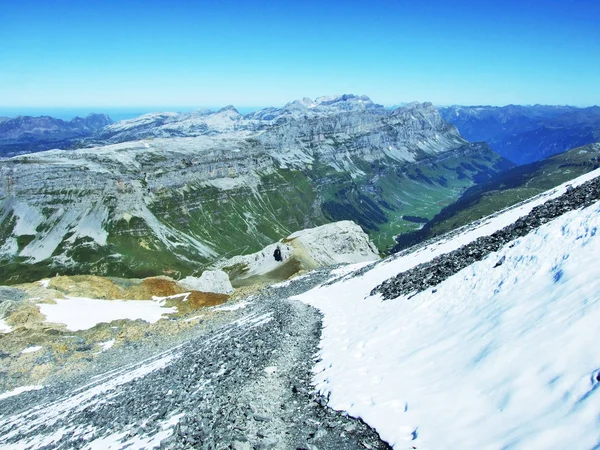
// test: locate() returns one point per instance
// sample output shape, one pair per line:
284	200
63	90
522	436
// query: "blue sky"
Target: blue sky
65	53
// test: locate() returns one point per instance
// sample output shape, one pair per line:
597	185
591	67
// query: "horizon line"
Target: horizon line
198	107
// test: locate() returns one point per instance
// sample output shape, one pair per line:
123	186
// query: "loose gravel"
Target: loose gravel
245	384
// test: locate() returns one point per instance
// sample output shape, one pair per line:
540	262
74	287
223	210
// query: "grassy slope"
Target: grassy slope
380	200
507	189
245	219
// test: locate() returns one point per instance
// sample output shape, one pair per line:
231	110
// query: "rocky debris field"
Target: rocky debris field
430	274
244	384
35	350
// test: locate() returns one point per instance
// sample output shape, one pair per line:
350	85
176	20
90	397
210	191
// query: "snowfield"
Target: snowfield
493	357
79	313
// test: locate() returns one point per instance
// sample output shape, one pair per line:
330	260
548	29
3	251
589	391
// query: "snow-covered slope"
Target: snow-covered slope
496	356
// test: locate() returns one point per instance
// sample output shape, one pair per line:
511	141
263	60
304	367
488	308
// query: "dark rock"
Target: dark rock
433	272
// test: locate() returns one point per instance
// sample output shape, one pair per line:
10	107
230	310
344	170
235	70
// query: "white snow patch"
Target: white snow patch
162	300
79	313
4	327
234	307
191	319
20	390
106	344
139	441
31	349
495	358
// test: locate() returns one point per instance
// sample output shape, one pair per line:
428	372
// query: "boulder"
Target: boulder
215	281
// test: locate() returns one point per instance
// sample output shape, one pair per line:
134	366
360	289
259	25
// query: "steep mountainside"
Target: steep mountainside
25	134
174	204
524	134
507	313
493	346
506	189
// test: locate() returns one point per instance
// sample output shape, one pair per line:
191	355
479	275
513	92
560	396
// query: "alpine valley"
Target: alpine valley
212	280
174	194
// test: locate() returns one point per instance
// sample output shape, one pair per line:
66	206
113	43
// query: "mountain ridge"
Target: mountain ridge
173	204
507	189
525	134
24	134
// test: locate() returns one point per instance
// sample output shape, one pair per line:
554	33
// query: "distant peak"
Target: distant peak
301	103
228	108
417	106
99	116
329	100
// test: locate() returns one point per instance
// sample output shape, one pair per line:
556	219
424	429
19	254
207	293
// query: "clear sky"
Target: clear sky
106	53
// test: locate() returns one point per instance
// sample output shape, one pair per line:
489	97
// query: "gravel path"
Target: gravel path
242	385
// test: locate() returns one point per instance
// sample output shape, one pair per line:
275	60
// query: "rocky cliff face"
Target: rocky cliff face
229	185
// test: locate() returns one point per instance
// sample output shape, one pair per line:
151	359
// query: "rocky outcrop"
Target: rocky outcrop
327	245
215	281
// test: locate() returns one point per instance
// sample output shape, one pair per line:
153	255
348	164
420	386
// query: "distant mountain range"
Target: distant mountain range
524	134
25	134
172	193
